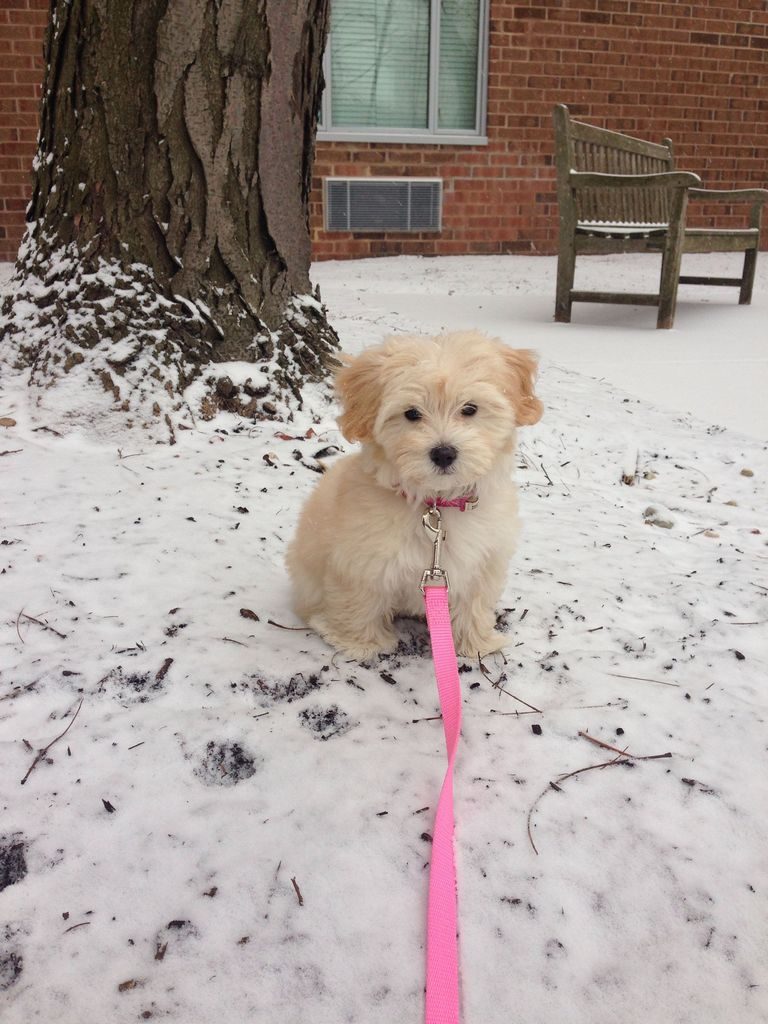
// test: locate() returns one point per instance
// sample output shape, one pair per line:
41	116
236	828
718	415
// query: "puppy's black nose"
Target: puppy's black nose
444	455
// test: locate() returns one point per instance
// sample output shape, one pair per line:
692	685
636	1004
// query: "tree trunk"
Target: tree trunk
168	228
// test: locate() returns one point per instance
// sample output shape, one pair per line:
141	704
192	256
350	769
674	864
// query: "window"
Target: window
406	71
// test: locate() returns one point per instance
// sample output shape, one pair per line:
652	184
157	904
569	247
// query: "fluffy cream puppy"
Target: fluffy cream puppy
436	418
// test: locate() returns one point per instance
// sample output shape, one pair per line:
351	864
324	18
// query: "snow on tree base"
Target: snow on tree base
108	352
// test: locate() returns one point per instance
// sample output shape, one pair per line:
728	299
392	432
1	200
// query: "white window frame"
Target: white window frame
432	135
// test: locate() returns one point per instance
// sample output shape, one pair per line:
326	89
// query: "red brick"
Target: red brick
15	33
14	60
29	48
31	75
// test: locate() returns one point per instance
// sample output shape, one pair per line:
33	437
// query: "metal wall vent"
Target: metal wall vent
383	204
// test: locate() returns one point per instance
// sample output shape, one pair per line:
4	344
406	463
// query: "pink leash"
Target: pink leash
442	999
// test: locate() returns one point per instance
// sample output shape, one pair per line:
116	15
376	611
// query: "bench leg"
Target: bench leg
748	277
671	260
670	274
566	270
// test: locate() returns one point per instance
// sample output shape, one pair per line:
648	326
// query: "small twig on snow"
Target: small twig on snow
642	679
620	703
16	691
497	686
622	758
635	757
41	753
692	469
557	788
163	670
279	625
300	898
623	704
31	618
72	927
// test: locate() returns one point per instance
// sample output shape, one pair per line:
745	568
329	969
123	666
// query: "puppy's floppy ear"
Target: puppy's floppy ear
358	385
521	367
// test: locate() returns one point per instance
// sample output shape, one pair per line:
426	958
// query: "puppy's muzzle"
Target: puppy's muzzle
443	456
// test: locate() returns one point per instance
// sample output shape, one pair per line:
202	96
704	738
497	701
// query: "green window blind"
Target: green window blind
380	63
457	89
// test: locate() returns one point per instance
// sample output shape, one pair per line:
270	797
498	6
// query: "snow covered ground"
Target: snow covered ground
713	363
235	825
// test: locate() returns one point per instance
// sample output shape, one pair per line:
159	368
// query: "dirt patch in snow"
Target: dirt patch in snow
13	860
324	723
226	764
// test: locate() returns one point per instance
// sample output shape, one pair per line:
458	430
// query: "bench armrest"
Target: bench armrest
733	195
667	179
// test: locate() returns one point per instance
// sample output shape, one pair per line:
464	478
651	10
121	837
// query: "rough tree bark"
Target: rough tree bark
168	228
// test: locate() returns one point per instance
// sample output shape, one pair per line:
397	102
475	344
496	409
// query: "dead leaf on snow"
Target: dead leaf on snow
126	986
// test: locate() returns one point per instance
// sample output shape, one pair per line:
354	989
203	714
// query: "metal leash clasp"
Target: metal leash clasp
434	576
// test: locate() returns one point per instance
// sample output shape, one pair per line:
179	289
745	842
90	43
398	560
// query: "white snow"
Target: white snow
713	363
646	901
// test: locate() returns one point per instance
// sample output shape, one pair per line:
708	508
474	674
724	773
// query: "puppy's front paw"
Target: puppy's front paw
362	646
364	649
471	645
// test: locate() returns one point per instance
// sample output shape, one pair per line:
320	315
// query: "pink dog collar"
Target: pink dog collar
460	503
463	503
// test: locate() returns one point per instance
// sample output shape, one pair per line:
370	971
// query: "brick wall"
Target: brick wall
22	27
697	72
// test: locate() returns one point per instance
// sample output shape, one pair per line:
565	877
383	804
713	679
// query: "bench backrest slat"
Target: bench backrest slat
588	133
583	147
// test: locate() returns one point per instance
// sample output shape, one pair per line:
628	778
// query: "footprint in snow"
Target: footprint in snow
13	859
131	687
288	690
11	966
324	723
226	764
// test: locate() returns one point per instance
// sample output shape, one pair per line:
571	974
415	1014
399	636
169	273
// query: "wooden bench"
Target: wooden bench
617	194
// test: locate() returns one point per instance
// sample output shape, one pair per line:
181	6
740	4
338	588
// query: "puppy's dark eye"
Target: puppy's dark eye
469	409
412	415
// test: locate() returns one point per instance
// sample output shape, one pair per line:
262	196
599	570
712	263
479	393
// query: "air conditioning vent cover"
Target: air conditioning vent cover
383	204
